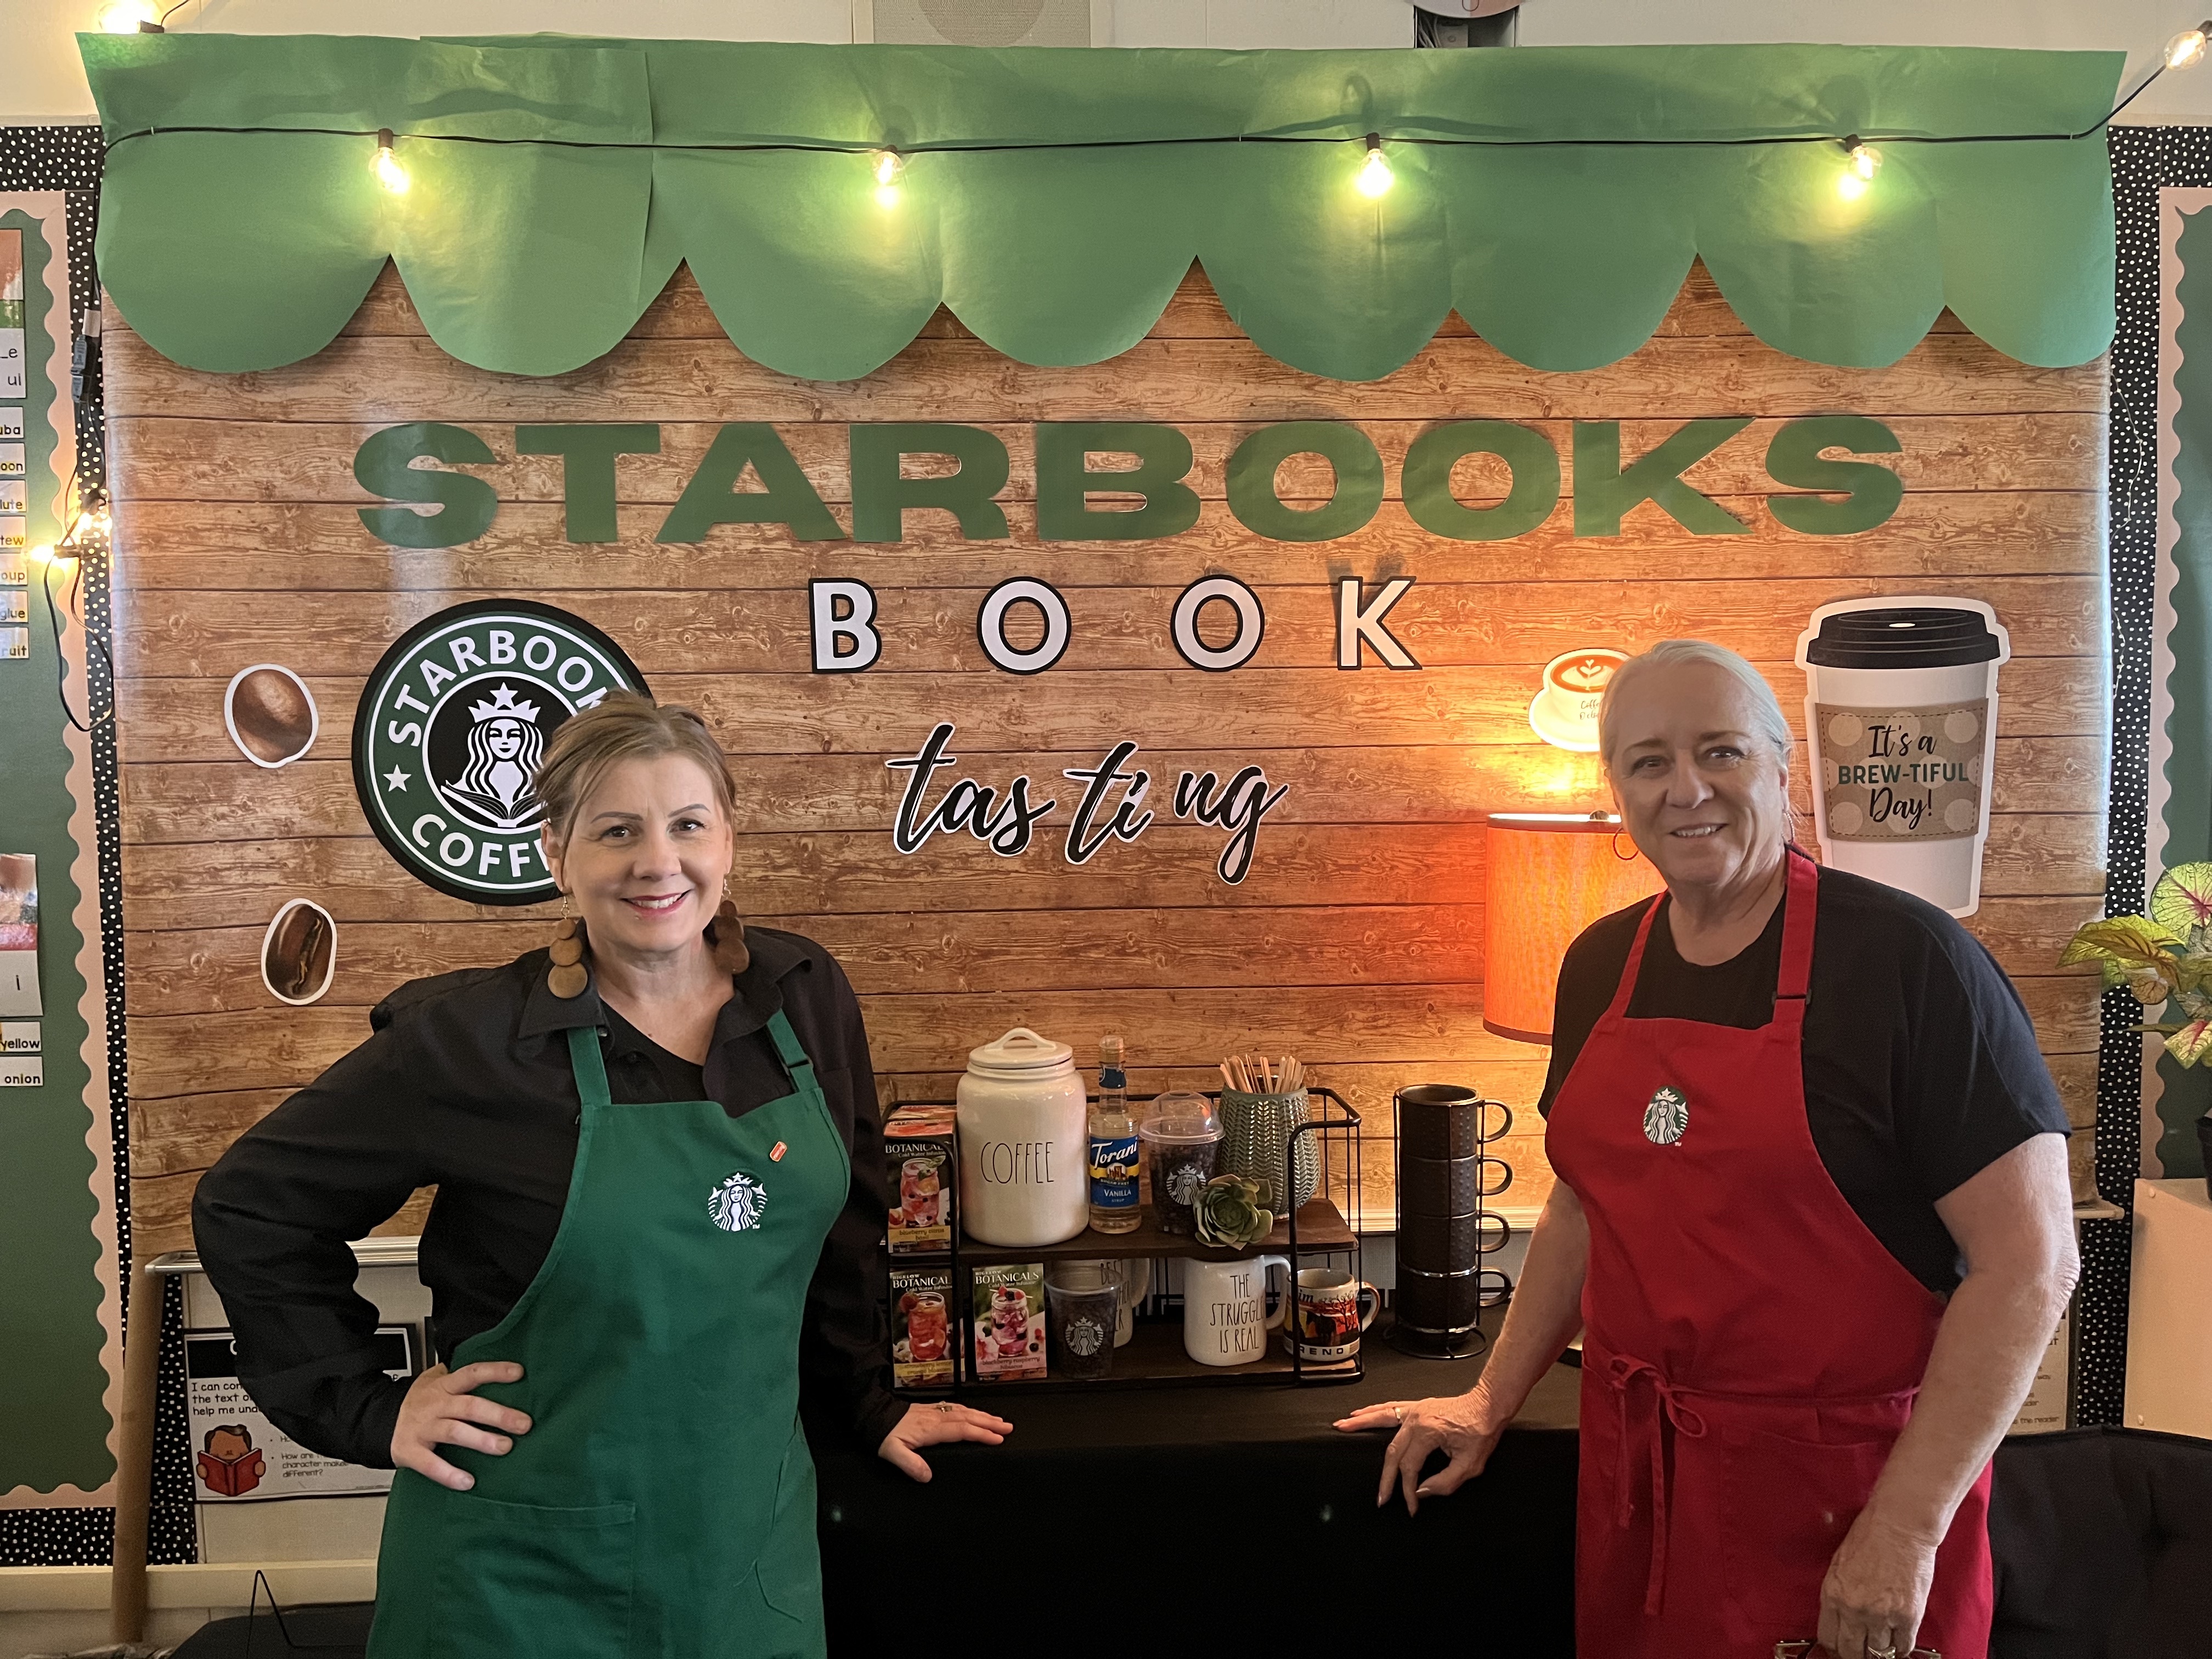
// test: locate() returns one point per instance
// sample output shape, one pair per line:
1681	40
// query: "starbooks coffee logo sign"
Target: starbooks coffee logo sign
449	732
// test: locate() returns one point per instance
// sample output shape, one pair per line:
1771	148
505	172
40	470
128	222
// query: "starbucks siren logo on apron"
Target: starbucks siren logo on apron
738	1204
1666	1117
449	732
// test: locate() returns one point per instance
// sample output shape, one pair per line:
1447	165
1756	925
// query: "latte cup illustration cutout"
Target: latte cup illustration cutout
1901	711
1564	712
299	952
270	714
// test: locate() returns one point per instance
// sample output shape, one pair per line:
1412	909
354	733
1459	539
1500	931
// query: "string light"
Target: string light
91	527
889	168
1375	175
1861	160
385	166
1861	163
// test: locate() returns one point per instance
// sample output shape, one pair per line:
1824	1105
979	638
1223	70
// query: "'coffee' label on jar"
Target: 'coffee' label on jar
1015	1162
1114	1172
1902	774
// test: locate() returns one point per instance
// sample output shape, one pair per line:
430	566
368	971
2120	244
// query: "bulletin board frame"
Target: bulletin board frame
72	968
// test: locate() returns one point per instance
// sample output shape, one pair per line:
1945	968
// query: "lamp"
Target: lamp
1550	874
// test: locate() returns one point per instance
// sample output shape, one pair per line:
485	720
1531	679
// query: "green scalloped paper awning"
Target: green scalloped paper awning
233	250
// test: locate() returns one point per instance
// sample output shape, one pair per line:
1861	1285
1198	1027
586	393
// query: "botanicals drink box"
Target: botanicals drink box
919	1147
922	1328
1009	1316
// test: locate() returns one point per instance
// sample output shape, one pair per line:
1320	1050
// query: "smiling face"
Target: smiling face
1704	797
504	739
646	857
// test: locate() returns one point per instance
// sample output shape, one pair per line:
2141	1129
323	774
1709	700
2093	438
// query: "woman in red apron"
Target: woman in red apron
1785	1431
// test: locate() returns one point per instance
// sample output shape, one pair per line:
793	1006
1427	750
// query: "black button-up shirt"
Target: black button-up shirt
465	1084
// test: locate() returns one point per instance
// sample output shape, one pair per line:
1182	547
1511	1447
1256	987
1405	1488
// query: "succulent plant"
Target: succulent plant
1229	1215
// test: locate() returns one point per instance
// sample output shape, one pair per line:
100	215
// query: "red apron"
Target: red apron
1750	1350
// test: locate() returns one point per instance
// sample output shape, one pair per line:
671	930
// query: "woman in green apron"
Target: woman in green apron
656	1237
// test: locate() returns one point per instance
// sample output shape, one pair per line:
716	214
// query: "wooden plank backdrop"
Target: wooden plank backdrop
1356	941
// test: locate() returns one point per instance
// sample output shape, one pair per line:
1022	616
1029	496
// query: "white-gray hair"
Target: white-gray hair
1766	715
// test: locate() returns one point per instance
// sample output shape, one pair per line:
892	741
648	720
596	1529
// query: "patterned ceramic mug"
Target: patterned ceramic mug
1334	1309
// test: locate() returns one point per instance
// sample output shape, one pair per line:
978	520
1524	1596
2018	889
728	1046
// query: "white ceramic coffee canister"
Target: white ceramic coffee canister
1024	1142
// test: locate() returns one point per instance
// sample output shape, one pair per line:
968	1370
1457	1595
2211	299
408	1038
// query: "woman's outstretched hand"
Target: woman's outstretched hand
937	1425
443	1409
1458	1424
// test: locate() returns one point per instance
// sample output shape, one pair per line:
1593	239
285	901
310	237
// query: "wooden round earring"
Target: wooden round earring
731	955
567	977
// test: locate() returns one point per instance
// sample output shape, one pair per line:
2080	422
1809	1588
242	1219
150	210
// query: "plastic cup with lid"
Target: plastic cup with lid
1182	1147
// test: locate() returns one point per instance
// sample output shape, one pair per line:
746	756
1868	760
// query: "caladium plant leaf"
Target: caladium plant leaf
2189	1044
2145	985
2131	951
2183	898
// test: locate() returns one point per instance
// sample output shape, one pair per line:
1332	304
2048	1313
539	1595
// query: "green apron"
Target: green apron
662	1504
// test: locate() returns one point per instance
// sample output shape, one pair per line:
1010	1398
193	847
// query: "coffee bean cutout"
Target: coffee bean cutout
567	952
270	715
299	952
568	979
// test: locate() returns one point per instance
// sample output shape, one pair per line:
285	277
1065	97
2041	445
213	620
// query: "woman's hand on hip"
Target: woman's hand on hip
937	1425
443	1409
1876	1590
1459	1425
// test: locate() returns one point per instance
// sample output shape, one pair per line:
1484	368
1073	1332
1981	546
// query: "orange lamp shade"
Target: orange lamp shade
1550	874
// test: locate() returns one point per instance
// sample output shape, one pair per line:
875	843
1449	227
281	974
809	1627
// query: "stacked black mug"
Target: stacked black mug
1444	1175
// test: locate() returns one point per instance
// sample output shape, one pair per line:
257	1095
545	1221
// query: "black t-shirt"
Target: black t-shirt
1921	1067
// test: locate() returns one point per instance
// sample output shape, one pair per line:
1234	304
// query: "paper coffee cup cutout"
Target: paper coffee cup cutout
299	952
270	715
1565	713
1901	709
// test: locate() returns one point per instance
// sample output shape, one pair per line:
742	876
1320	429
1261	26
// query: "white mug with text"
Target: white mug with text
1226	1319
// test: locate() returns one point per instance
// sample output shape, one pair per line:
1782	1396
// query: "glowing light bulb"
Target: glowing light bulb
1375	177
43	553
125	16
385	166
889	166
2186	49
1861	163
